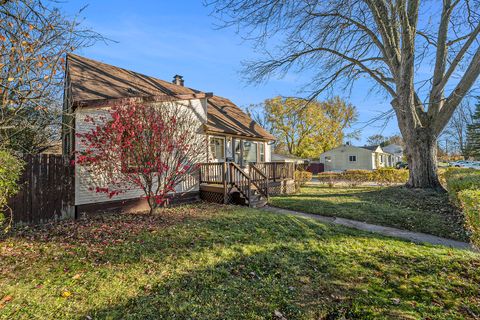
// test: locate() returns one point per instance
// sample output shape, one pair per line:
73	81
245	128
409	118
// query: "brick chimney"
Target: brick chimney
178	80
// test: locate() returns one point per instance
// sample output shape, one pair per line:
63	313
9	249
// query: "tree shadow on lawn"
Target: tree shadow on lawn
427	200
241	263
416	210
338	278
118	239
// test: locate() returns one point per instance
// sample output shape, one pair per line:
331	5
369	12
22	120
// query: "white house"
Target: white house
287	158
91	87
348	157
396	151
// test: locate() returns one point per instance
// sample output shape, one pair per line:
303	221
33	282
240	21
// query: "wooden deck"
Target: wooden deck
227	183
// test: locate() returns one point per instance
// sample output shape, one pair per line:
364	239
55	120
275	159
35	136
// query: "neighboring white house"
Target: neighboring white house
283	158
396	151
348	157
92	86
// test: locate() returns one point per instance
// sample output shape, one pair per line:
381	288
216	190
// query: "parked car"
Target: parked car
401	165
473	165
460	163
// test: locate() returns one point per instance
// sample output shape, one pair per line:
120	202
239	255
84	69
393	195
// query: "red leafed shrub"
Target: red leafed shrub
153	147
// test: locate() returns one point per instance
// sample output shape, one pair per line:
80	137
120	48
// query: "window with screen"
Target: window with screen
237	150
262	151
249	152
217	148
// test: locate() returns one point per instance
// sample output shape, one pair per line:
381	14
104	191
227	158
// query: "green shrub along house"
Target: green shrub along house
463	185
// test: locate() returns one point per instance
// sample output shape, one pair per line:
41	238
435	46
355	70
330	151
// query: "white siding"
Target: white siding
85	181
339	159
268	152
228	147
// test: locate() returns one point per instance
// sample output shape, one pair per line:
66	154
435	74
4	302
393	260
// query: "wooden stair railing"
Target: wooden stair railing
240	180
259	180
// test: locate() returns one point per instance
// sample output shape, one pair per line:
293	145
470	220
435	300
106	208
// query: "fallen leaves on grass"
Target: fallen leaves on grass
109	228
5	300
92	235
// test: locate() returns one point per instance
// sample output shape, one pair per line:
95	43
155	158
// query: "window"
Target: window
262	151
217	148
249	152
352	158
328	159
237	151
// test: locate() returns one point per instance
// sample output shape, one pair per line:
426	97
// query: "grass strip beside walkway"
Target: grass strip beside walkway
414	210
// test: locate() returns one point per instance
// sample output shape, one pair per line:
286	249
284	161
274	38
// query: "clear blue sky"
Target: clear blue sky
164	38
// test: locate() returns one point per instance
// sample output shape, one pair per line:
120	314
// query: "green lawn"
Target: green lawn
416	210
216	262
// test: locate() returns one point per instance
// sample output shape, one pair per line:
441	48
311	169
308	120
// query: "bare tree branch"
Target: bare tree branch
342	40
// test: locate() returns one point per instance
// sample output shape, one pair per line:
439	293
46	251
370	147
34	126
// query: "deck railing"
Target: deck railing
216	173
259	180
259	175
239	179
277	171
212	173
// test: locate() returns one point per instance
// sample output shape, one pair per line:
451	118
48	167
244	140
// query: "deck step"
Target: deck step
258	203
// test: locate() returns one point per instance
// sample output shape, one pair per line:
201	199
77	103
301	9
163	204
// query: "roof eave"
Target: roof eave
238	134
157	98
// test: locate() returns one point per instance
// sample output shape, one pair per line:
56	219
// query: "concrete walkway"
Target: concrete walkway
386	231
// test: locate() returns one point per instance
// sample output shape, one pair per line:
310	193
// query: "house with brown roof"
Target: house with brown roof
91	87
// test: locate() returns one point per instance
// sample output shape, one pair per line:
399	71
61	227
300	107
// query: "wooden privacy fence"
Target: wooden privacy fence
46	190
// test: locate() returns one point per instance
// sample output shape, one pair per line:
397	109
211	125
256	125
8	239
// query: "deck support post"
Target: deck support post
225	182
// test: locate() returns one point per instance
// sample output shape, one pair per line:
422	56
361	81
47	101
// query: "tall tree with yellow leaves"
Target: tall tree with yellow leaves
306	129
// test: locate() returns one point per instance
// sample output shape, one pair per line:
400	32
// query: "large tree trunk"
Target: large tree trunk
421	151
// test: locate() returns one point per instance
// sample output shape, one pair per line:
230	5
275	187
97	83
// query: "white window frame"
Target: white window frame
352	156
254	147
261	152
212	156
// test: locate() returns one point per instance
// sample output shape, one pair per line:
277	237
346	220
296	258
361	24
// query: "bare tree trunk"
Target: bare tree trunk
152	204
422	159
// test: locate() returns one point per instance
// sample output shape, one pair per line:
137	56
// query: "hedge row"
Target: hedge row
10	169
463	186
356	177
301	178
